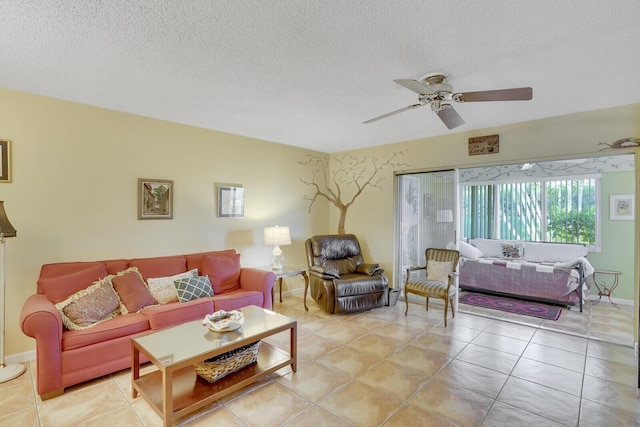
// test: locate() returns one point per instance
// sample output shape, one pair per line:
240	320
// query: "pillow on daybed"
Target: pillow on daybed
467	250
191	288
511	250
163	289
132	291
90	306
553	252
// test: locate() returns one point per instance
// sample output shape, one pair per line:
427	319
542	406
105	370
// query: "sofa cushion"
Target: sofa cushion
59	288
234	300
193	288
162	316
553	252
223	272
196	260
132	291
164	290
160	266
117	327
88	307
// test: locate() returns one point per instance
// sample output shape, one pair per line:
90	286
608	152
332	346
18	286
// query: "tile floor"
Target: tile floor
382	368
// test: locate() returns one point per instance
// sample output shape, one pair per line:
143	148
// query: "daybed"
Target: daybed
547	272
73	346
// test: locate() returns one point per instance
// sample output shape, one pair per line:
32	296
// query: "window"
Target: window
553	210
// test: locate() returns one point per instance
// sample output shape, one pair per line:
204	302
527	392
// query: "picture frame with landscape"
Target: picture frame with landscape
155	198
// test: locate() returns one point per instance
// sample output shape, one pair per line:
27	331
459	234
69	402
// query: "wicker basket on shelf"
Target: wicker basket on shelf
220	366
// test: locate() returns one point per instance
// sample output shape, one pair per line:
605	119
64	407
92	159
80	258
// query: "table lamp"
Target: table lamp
276	236
7	372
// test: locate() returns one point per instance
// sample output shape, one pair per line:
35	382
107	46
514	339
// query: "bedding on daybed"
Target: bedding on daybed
550	272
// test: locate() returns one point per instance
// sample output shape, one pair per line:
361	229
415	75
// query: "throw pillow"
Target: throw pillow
223	272
164	290
59	288
511	250
469	251
438	270
132	291
90	306
193	287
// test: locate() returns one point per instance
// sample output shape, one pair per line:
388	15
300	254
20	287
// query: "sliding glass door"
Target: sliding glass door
426	212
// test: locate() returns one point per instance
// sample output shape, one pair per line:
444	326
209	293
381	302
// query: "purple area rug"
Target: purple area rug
527	308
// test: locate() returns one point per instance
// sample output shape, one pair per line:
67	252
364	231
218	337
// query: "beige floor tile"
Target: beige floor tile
611	394
446	345
271	405
553	404
593	414
376	344
25	418
461	333
461	406
612	371
473	377
488	358
345	332
403	333
411	415
471	321
316	346
556	357
314	381
349	361
16	398
413	357
124	416
560	341
548	375
503	415
219	416
394	379
317	417
361	404
612	352
81	403
511	330
500	343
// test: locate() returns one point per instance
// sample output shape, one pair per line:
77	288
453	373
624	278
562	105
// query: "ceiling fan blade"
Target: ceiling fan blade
515	94
415	86
384	116
450	116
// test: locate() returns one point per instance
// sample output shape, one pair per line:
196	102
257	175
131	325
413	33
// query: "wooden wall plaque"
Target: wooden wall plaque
484	145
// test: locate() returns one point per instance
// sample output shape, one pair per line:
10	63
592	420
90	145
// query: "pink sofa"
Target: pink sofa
67	357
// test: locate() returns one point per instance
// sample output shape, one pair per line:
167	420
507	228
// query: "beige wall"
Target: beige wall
74	192
75	170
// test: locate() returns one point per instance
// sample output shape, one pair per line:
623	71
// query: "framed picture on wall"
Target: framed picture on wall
230	201
5	160
155	198
621	207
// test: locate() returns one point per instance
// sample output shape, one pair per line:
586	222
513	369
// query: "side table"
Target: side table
289	272
604	288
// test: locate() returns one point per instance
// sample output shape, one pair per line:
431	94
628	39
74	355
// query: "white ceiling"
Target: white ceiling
308	73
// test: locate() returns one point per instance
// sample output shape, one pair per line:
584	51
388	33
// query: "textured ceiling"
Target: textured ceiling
308	73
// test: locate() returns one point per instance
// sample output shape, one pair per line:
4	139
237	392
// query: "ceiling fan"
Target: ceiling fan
436	92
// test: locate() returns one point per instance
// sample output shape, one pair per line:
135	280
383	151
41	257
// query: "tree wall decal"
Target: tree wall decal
350	173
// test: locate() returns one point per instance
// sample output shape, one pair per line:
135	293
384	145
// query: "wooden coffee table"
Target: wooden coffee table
175	390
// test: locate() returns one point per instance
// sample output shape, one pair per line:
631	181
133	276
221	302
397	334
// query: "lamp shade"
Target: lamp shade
6	229
276	236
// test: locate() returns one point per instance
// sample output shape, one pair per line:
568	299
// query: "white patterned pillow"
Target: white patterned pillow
438	270
163	288
511	250
193	287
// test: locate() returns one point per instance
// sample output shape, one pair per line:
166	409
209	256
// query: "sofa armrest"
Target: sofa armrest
255	279
369	269
323	273
41	320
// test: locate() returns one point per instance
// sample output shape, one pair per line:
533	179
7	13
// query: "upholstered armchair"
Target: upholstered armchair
340	280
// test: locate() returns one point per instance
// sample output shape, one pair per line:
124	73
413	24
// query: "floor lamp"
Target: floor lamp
7	372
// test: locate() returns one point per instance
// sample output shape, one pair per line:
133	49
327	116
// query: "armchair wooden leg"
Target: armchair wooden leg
427	304
446	307
406	302
453	313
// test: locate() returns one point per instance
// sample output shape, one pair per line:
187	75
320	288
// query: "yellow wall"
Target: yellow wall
74	192
75	170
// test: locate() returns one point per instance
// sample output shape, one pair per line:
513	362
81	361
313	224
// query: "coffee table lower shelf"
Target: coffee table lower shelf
190	392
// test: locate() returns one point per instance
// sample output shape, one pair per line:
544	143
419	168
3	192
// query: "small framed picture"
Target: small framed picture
230	201
155	198
5	160
621	207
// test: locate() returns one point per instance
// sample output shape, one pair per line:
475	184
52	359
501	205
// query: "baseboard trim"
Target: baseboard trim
27	356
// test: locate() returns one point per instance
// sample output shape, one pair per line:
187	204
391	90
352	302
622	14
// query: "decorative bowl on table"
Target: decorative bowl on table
223	321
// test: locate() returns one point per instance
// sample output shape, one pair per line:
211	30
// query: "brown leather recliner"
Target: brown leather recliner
340	280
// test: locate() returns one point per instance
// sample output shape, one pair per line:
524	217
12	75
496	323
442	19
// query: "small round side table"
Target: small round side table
605	285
